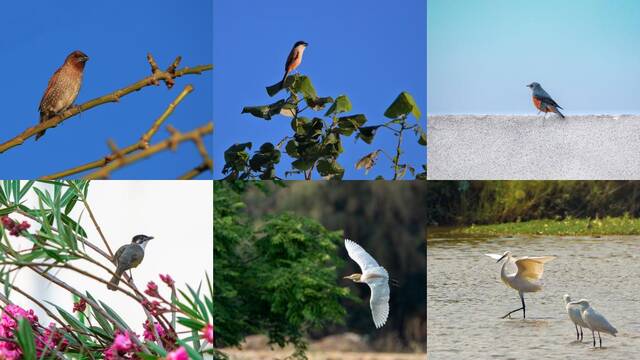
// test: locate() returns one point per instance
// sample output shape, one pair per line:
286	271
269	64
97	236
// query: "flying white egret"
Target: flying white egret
373	275
525	279
575	316
594	321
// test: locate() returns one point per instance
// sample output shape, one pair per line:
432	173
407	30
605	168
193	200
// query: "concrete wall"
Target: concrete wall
530	147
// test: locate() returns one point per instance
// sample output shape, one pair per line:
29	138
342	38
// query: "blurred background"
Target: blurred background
176	213
387	220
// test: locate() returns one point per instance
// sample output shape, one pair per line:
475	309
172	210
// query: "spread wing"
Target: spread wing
379	302
532	267
360	256
494	256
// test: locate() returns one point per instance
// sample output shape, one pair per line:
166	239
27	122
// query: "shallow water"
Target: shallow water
466	298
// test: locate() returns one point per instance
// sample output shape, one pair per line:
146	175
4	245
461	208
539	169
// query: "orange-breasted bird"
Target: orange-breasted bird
63	87
543	101
294	59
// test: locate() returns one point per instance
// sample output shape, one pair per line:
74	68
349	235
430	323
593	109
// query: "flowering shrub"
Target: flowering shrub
91	326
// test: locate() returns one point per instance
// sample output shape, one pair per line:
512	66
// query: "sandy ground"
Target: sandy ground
334	355
482	147
347	346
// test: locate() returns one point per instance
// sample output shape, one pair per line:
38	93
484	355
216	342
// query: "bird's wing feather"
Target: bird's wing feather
545	98
360	256
379	302
494	256
532	267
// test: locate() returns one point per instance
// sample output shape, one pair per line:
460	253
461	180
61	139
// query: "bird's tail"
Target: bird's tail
555	109
286	73
43	118
115	280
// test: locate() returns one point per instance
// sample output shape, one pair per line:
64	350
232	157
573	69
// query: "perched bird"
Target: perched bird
594	320
63	87
526	278
543	101
127	257
293	60
373	275
575	316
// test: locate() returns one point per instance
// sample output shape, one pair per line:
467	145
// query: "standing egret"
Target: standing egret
373	275
525	279
575	315
594	321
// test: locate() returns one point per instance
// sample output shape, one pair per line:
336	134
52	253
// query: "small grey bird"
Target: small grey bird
127	257
543	101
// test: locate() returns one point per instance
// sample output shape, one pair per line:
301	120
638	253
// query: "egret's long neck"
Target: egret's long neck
503	269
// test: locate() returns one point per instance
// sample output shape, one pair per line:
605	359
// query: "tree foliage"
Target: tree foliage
316	141
487	202
276	276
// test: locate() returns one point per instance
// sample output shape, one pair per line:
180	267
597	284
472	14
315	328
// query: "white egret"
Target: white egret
373	275
575	316
526	278
594	321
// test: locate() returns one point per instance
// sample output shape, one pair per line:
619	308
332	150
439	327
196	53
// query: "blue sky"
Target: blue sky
482	53
369	50
37	36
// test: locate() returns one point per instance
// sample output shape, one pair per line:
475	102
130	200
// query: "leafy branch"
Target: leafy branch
97	331
316	142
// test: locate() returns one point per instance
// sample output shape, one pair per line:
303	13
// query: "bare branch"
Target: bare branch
170	143
154	79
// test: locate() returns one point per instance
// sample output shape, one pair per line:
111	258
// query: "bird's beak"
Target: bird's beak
149	237
501	258
85	59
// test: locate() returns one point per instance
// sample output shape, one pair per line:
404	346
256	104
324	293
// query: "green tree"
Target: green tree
316	141
276	277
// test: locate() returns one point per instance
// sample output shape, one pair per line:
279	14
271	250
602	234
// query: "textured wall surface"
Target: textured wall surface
530	147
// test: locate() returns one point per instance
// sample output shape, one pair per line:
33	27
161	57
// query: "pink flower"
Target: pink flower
11	312
207	333
148	331
179	354
167	279
122	342
9	351
153	306
7	222
51	338
152	289
80	306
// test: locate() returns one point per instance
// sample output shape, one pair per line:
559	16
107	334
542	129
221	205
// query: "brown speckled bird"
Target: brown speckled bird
63	87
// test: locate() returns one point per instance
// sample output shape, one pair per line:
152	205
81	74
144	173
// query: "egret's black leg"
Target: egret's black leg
600	339
594	337
581	334
577	333
524	309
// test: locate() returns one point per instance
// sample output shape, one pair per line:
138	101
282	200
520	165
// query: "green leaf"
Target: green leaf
348	124
302	164
403	105
26	188
102	321
26	339
318	103
115	316
340	105
302	84
264	111
367	133
292	149
330	169
193	354
156	348
191	323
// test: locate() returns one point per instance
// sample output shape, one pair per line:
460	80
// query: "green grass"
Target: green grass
569	226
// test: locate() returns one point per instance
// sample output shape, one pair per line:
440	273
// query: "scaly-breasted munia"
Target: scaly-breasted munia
63	87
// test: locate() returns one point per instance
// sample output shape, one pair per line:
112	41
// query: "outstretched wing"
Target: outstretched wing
532	267
494	256
360	256
379	302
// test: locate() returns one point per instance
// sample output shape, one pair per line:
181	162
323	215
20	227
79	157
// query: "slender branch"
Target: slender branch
170	143
196	171
93	304
396	160
93	218
158	75
141	144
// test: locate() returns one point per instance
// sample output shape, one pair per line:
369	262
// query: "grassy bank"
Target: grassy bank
571	226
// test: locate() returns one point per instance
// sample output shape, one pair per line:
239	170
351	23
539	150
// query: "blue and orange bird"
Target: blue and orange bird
543	101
